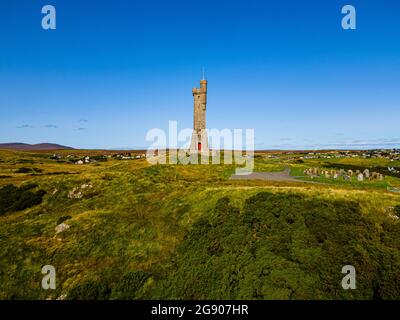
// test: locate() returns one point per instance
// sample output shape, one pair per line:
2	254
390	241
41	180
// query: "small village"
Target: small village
87	159
388	154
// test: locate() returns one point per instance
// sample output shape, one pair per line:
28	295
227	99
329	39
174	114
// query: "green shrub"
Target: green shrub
89	290
13	198
397	210
284	246
99	158
128	288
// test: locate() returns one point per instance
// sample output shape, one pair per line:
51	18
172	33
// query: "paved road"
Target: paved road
269	176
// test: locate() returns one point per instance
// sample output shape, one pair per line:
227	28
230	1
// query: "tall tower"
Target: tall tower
199	140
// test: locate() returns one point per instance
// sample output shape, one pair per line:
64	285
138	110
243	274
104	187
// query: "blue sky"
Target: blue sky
112	70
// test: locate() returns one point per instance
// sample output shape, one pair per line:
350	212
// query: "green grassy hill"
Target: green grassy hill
185	231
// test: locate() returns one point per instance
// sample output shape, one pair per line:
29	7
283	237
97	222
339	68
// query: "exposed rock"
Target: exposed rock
84	186
391	213
62	227
77	192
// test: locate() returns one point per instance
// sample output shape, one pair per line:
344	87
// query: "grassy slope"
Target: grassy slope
133	218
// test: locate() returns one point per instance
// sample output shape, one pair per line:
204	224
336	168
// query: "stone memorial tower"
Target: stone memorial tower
199	142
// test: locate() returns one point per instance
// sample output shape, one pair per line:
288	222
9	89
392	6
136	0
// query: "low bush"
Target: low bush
89	290
129	286
99	158
397	210
13	198
284	246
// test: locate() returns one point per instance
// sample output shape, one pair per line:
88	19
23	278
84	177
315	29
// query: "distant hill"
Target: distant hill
33	147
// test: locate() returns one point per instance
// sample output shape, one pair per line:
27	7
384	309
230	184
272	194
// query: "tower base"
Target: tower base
199	142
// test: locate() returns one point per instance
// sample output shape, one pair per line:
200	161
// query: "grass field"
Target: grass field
138	231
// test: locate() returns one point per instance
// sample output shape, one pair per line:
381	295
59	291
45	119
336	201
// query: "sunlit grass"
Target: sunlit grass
135	214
